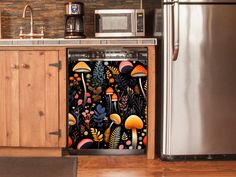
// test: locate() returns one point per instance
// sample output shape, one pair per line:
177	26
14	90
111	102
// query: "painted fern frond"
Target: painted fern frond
115	138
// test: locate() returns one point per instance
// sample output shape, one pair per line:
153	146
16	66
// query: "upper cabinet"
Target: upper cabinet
29	99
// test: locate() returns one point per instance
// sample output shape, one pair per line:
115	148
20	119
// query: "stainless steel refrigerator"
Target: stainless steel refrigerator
199	90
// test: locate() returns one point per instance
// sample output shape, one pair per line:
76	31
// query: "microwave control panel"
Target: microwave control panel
140	22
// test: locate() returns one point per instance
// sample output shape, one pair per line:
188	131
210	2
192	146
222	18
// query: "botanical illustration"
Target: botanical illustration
107	104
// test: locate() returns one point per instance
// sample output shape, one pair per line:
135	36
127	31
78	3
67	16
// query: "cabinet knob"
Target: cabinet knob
24	66
14	66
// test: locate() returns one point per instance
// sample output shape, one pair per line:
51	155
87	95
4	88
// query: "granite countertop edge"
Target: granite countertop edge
78	42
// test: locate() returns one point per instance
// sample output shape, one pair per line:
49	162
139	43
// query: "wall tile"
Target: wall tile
50	13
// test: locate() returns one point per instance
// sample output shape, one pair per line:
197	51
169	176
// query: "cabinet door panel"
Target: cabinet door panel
52	98
9	99
38	99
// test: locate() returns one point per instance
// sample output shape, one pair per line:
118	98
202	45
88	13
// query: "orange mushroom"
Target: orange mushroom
134	122
114	99
139	71
115	118
109	92
71	120
82	68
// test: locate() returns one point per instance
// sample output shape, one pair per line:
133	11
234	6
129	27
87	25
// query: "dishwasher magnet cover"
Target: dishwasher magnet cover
107	104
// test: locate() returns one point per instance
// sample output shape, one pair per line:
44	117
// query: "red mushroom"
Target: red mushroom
85	144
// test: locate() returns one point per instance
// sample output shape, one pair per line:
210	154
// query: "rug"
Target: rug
38	167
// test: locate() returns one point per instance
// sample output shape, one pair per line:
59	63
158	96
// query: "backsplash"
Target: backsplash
50	14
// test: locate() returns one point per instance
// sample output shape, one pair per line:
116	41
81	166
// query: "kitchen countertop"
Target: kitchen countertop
77	42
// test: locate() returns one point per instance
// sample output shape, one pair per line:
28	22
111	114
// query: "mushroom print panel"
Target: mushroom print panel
107	106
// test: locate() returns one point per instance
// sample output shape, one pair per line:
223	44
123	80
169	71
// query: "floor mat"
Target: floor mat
38	167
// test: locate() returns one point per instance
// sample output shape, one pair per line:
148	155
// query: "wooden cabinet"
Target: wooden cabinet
33	101
29	99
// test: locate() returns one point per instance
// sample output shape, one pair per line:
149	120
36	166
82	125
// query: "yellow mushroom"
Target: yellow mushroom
134	122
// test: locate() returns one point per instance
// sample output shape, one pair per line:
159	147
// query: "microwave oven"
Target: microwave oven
120	23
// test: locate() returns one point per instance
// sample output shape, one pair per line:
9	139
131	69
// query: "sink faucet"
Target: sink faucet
31	34
27	6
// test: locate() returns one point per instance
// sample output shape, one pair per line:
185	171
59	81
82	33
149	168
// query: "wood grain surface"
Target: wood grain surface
9	99
32	99
151	102
139	166
29	152
38	98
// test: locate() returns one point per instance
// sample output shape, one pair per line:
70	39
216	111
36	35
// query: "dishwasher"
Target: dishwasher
107	100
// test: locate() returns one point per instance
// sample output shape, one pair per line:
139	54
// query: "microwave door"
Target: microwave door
115	25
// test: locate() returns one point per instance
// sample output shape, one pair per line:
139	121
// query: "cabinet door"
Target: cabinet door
38	98
9	99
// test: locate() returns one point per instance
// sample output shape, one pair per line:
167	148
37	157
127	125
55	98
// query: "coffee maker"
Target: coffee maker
74	23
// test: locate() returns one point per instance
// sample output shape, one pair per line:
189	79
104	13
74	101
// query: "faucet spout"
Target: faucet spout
31	34
27	6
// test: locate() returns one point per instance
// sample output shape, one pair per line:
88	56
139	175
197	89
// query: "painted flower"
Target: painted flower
84	114
89	100
88	94
80	101
121	146
87	121
76	96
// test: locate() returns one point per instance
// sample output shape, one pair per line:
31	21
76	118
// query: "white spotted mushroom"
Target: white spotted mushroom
134	122
82	68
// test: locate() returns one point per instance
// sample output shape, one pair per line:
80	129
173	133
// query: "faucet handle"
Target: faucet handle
21	31
42	29
21	28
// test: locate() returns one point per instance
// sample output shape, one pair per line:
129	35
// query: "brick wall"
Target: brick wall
50	13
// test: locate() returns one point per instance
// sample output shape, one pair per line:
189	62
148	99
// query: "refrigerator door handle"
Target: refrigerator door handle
176	30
